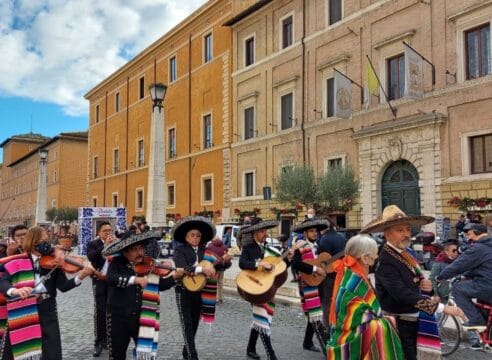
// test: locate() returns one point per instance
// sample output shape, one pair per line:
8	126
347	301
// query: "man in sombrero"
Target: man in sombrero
252	259
401	287
133	300
311	295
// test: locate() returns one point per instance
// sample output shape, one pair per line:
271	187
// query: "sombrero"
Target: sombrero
181	228
392	215
318	224
257	223
128	239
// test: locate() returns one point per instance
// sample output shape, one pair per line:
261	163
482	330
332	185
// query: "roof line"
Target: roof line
246	12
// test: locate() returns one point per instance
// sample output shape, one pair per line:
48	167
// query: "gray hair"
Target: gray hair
360	245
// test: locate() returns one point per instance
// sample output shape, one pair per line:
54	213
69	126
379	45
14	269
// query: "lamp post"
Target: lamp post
41	195
156	189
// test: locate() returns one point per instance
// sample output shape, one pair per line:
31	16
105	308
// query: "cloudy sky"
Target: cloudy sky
54	51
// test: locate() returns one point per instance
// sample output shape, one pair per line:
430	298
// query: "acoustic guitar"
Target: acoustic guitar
196	282
259	286
324	260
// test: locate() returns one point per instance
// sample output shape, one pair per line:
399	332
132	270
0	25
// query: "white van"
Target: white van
222	230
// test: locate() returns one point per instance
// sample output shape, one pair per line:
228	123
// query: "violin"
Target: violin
68	264
149	265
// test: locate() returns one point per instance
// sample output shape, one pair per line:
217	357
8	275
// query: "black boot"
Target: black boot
251	350
265	339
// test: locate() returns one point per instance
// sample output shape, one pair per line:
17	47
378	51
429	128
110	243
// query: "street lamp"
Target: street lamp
41	195
157	93
156	191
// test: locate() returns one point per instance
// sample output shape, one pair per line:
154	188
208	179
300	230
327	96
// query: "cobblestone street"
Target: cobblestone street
226	339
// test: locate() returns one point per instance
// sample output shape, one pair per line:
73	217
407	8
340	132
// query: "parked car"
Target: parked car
274	242
222	230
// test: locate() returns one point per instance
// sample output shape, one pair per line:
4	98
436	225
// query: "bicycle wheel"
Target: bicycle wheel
450	333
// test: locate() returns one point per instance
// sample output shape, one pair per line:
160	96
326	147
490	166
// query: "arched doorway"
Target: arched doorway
400	187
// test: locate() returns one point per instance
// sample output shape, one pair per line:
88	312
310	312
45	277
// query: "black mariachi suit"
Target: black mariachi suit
317	326
250	254
99	291
124	305
189	303
48	315
398	291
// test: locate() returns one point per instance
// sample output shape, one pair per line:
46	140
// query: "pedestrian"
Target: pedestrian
244	239
227	237
133	299
18	235
33	294
401	286
252	259
100	286
193	233
443	259
333	243
310	295
221	251
360	330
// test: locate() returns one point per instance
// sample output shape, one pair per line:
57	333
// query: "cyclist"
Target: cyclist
475	264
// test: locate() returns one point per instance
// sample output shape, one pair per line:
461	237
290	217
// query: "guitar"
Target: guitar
324	260
196	282
259	286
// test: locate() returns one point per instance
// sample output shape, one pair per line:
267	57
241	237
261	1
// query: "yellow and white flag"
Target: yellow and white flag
372	85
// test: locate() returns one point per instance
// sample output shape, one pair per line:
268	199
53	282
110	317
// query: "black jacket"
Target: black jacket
331	242
184	256
250	254
125	299
94	249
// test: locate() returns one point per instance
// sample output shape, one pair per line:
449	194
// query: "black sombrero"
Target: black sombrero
181	228
318	224
129	240
257	223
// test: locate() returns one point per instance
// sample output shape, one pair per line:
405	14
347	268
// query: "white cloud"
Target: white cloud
56	50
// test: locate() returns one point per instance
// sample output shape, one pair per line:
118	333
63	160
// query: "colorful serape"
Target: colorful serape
310	300
359	330
148	333
23	320
209	292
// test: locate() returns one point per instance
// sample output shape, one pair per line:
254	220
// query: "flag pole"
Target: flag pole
393	110
353	82
427	61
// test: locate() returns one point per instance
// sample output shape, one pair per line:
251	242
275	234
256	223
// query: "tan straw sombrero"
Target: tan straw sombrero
392	215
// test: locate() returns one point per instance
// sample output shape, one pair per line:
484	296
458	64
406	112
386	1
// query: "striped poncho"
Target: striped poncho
310	300
359	330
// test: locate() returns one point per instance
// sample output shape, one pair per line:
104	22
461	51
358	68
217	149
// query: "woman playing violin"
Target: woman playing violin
32	291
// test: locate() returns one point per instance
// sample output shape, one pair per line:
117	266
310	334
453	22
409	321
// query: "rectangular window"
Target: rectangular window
330	97
53	203
286	103
140	153
140	199
396	76
335	163
207	50
287	34
55	176
249	184
207	189
481	154
207	131
172	143
173	71
116	161
115	199
477	45
94	167
97	114
170	195
249	51
141	88
117	102
249	123
334	11
94	201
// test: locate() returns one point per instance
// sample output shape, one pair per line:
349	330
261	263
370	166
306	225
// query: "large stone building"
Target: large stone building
284	57
194	61
65	175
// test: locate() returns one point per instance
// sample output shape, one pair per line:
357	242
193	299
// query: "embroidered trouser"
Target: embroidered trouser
100	291
189	308
121	329
315	327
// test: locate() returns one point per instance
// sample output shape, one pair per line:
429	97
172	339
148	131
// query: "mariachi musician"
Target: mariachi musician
252	259
100	286
192	234
126	290
310	295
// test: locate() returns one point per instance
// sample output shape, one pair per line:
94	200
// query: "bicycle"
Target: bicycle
450	328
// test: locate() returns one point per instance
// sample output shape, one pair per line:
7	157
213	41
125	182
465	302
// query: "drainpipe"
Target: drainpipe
105	138
189	126
303	87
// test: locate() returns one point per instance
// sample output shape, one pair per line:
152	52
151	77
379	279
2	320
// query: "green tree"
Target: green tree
297	184
337	189
51	214
65	215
